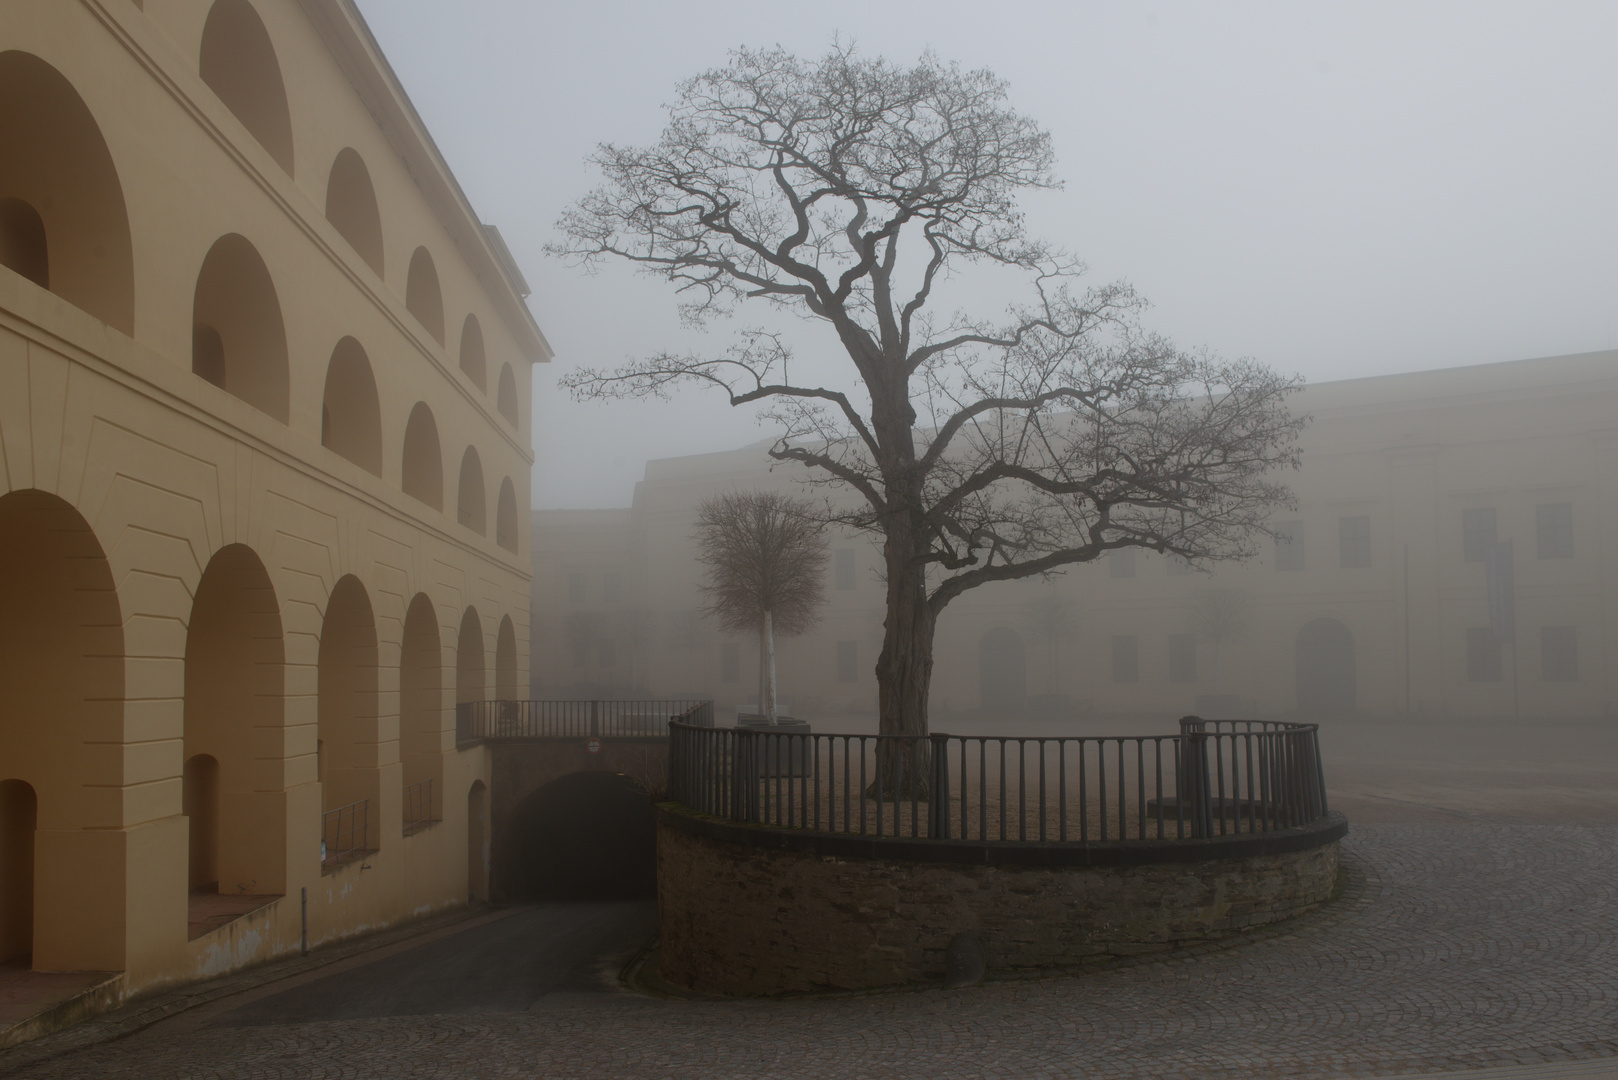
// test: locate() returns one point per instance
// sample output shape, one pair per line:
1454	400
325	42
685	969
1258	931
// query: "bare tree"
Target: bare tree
1220	615
765	557
848	190
1054	618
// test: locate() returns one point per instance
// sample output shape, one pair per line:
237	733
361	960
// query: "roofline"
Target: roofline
361	59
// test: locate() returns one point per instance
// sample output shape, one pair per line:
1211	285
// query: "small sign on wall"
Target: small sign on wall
594	746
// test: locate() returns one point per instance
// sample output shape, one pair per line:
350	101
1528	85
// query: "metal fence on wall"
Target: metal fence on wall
571	719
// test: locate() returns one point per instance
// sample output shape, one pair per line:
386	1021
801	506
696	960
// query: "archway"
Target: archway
350	739
469	503
421	713
350	415
505	516
506	396
238	63
505	661
422	475
63	224
477	842
61	736
584	836
423	298
351	207
470	666
19	811
234	711
1327	680
238	341
472	358
1003	670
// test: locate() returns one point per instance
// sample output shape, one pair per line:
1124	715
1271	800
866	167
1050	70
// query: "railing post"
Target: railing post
938	793
745	770
1196	797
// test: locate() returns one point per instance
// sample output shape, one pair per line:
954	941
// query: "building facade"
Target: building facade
264	447
1375	602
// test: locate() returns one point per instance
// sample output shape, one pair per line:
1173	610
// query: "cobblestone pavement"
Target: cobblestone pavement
1455	947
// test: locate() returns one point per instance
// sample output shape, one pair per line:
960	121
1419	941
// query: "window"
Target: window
611	588
1182	658
607	653
577	588
1354	541
1125	658
1121	562
1477	533
730	662
1178	567
1559	654
1482	656
1555	530
845	661
1289	545
845	568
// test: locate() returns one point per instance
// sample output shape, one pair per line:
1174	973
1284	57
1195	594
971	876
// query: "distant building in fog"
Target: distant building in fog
1375	603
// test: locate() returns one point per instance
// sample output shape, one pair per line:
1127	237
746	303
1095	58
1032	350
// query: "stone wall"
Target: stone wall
741	913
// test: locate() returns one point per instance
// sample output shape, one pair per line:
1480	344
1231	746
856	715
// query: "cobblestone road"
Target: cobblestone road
1454	948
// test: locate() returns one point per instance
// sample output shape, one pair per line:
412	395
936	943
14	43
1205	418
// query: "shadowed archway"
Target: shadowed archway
584	836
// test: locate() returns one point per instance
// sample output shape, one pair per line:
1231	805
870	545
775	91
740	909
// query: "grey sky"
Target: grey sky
1334	190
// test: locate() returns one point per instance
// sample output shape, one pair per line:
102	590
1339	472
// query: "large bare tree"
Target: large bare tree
848	190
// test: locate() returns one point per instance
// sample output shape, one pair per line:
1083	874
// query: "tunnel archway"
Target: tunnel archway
584	836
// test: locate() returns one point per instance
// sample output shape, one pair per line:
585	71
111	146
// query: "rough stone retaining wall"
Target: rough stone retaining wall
742	913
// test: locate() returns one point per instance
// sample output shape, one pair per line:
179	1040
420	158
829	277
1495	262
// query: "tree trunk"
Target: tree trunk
769	668
904	674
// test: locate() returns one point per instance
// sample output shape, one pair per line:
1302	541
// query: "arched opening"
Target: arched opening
423	298
421	714
19	813
423	475
469	662
469	510
61	736
506	397
505	516
1003	669
505	661
477	842
350	415
472	358
234	709
63	224
238	340
1327	681
238	63
351	207
350	737
585	836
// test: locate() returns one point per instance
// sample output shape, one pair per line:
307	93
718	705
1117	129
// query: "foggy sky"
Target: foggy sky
1335	191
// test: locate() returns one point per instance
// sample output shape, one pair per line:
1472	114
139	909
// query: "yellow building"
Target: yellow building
264	442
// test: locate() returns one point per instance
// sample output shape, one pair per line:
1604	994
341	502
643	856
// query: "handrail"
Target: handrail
418	806
511	719
1215	778
345	834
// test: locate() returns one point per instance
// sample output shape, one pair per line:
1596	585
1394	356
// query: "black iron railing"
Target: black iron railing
418	806
567	719
1215	778
345	834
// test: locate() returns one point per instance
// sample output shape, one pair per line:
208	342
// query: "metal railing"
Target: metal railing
567	719
418	806
1216	778
345	833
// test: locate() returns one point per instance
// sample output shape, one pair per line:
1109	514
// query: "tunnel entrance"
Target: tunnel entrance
585	836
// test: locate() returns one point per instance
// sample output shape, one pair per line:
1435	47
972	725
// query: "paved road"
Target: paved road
1457	947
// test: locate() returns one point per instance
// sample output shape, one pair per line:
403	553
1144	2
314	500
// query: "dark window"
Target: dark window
1559	654
845	568
1477	533
1482	656
608	653
846	671
1178	567
730	662
1289	545
1182	658
1354	540
1555	530
576	588
611	588
1125	658
1121	562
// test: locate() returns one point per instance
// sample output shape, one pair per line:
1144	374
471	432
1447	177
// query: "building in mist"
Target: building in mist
1375	604
264	439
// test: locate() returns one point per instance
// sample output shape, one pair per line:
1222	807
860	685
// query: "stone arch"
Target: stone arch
349	744
351	207
506	396
423	473
505	516
61	734
1326	673
473	361
421	702
350	414
477	842
235	657
423	298
470	509
1003	669
238	63
470	667
505	661
583	836
63	223
238	340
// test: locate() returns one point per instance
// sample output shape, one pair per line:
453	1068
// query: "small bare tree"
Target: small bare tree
765	557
